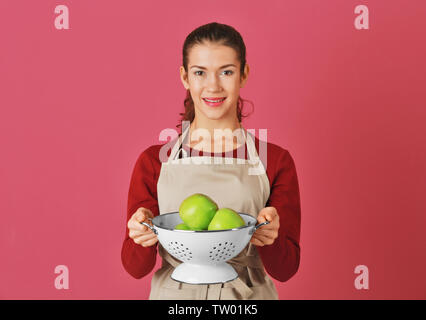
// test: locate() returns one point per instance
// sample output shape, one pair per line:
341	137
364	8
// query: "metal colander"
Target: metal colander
203	253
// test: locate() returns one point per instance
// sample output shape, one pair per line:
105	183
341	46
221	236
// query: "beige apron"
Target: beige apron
229	185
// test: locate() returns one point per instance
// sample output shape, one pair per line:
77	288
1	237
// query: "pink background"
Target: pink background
78	106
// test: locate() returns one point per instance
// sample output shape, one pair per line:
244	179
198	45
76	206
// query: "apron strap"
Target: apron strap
177	147
243	289
253	156
251	147
214	290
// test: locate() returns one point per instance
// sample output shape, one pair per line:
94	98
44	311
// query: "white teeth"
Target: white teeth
214	100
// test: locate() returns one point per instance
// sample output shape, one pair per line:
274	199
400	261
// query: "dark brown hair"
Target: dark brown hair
216	33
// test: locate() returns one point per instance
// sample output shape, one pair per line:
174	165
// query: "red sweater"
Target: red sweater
281	259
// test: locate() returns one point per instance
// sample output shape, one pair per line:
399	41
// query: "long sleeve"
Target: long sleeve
281	259
138	260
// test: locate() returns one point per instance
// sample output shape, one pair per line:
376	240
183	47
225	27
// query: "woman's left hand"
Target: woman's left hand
266	234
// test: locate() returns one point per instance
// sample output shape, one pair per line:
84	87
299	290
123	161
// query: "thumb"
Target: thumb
140	216
261	217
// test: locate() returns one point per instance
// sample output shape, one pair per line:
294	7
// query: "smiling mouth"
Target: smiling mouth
214	100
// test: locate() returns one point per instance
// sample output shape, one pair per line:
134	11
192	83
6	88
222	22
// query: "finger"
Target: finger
146	241
144	227
144	237
264	215
134	234
136	221
271	213
139	215
256	242
136	226
268	233
263	239
261	217
142	214
268	216
148	213
268	226
137	233
272	225
150	242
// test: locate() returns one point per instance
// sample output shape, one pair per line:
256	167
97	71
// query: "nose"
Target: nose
213	84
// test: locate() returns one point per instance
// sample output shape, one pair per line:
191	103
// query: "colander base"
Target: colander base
204	274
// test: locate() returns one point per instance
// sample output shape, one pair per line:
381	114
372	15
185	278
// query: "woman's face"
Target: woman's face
214	72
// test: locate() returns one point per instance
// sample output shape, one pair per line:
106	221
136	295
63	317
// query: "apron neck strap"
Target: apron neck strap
177	147
251	147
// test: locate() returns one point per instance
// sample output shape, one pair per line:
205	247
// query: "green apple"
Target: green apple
196	229
197	210
226	218
182	226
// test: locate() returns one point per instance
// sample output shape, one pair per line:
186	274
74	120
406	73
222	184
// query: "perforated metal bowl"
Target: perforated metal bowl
203	253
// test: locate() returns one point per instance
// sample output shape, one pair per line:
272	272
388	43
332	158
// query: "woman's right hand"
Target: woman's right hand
140	233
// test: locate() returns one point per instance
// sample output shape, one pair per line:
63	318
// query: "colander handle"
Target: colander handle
258	226
149	226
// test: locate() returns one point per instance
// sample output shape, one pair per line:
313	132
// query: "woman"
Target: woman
214	66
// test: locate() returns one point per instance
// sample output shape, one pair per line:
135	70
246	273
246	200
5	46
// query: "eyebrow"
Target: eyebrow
225	66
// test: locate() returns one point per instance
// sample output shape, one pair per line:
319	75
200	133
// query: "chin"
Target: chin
215	115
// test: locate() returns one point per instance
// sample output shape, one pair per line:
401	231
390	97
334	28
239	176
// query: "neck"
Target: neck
211	125
222	142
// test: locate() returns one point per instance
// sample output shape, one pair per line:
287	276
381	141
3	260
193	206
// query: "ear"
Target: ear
184	77
244	77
